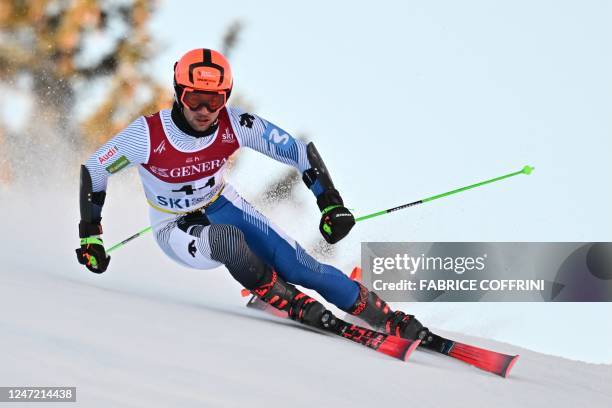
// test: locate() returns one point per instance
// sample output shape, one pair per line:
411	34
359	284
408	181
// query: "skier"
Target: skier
201	222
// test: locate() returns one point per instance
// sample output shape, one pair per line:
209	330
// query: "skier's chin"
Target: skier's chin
201	123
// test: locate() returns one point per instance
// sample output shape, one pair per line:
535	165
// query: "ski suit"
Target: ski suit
181	173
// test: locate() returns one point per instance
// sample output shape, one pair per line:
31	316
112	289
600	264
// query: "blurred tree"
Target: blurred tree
54	51
230	39
5	168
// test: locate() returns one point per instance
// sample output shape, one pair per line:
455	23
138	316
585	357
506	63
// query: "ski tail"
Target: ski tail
487	360
258	304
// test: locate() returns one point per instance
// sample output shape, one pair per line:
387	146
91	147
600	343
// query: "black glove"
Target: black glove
336	222
336	219
92	253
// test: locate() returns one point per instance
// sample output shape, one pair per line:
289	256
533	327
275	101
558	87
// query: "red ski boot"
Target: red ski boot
373	310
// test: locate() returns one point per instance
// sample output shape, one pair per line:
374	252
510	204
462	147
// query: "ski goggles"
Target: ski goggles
195	100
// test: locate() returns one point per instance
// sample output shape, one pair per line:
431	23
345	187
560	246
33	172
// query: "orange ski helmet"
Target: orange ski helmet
202	77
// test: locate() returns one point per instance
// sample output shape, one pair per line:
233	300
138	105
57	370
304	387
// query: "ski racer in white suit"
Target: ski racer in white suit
200	221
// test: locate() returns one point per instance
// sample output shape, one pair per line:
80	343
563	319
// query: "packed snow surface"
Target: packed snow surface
124	344
150	333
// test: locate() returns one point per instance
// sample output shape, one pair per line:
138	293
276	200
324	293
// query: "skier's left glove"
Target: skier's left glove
336	219
92	253
336	222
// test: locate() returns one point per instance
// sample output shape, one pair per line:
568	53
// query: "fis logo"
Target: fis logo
161	148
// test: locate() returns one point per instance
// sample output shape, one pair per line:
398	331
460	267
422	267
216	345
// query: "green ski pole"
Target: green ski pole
125	241
136	235
525	170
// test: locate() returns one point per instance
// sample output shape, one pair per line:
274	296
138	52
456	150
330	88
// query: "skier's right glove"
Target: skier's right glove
92	253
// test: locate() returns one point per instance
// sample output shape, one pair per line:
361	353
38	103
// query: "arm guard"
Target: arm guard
91	206
318	180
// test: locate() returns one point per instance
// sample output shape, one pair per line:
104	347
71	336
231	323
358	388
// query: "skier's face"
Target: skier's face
202	118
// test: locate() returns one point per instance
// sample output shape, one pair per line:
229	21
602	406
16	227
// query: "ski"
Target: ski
392	346
487	360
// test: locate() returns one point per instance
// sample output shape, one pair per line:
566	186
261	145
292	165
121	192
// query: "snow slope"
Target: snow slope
124	347
151	333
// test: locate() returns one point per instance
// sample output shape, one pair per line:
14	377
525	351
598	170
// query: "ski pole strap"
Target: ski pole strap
91	240
329	208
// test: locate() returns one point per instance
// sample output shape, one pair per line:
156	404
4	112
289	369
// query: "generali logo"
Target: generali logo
207	167
227	136
161	148
109	154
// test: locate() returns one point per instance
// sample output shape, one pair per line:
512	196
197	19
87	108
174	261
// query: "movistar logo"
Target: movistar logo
276	137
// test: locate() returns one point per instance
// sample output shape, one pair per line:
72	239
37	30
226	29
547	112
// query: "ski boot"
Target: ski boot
373	310
299	306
